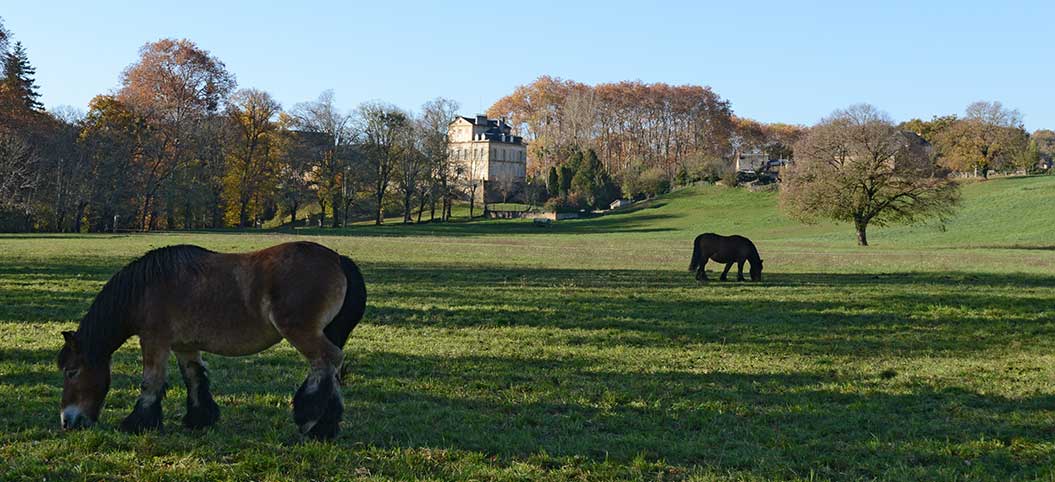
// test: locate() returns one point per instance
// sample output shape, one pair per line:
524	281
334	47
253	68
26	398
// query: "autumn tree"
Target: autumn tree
632	125
855	166
930	130
173	87
252	153
1029	158
987	138
110	137
1045	139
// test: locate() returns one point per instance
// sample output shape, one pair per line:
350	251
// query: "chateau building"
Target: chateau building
490	156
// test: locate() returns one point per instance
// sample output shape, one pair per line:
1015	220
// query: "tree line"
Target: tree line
179	146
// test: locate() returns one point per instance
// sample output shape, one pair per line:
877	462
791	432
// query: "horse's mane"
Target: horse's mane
107	324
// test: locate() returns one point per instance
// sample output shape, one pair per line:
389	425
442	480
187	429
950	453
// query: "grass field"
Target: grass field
586	351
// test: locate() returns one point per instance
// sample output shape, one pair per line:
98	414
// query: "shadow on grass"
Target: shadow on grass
770	424
614	223
801	313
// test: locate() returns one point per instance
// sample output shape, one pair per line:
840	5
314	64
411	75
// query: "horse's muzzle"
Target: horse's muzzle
73	418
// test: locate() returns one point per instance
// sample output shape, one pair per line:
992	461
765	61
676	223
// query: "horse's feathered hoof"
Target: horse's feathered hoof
143	418
317	407
329	425
202	416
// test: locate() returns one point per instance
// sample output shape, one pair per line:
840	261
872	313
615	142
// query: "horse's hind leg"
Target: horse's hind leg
725	273
147	413
317	405
202	410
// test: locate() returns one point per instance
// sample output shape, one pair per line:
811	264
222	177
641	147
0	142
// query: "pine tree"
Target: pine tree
18	78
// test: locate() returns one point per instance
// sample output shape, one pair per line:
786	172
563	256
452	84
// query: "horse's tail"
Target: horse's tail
352	309
695	263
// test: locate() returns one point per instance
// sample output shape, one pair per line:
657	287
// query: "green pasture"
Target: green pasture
500	350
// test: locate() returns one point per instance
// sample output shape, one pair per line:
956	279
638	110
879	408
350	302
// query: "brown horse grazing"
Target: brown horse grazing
186	300
728	250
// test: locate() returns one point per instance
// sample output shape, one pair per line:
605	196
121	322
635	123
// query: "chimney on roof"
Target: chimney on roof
481	119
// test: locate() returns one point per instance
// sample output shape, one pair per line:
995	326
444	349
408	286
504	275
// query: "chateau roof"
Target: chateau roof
497	130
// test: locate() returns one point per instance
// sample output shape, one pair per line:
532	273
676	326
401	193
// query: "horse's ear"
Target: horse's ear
70	338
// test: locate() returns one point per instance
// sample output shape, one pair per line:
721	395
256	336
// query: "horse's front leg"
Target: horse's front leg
202	410
147	413
725	273
739	270
701	273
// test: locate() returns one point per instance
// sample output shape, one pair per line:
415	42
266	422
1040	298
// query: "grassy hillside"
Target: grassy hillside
498	350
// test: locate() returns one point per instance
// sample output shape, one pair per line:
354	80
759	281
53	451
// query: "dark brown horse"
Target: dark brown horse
187	299
728	250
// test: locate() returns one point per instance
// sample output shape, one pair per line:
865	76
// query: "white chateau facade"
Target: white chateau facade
490	156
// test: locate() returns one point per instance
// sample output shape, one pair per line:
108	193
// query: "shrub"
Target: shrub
571	203
713	170
731	178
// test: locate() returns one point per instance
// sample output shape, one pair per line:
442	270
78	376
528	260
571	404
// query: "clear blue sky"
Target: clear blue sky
775	61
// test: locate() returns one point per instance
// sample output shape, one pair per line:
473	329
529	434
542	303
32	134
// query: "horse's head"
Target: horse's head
84	385
756	270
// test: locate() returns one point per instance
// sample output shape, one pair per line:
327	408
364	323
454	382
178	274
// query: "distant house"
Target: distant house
619	203
750	160
486	152
756	160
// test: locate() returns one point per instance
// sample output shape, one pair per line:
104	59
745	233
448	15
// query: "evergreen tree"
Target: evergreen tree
592	181
565	175
574	161
553	182
18	78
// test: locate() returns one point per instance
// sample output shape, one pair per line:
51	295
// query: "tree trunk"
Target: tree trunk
79	215
421	208
406	206
336	202
862	232
322	212
293	217
145	219
379	213
432	212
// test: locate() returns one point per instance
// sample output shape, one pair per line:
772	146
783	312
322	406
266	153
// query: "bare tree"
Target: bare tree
18	175
436	116
470	172
506	186
384	129
855	166
325	122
